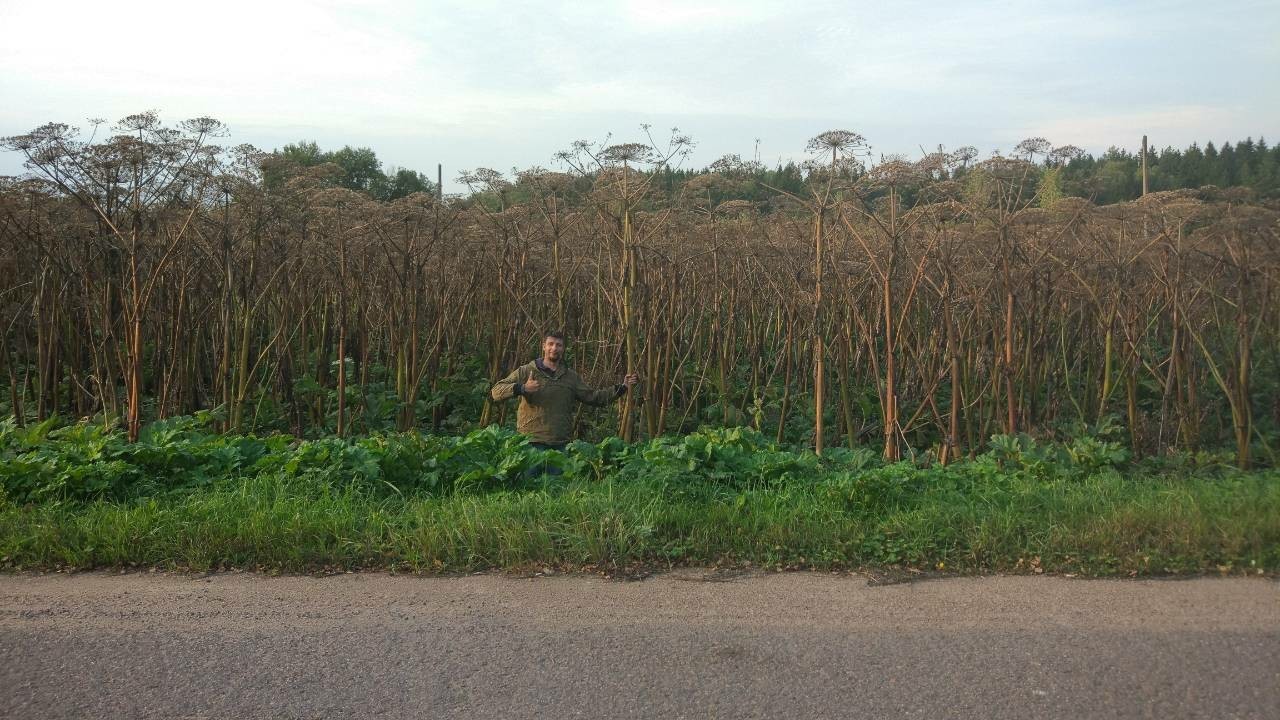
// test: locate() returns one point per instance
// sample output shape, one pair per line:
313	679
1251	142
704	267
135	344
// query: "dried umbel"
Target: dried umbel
841	169
627	154
418	206
730	175
733	166
247	160
937	165
1033	216
837	142
1064	154
895	171
484	180
140	122
1006	168
334	198
736	208
546	180
49	138
703	183
942	192
942	202
1071	207
1031	147
204	126
965	155
610	179
1177	206
677	149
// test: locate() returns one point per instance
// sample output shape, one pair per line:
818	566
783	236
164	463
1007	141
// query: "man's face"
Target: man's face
552	349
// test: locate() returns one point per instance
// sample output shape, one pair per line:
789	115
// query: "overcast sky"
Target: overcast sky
507	84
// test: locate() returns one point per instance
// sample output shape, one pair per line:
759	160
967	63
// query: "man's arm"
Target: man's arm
508	387
599	398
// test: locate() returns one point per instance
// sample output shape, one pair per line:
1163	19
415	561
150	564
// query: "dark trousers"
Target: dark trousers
540	467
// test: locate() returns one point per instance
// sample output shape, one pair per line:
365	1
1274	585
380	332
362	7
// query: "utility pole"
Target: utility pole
440	178
1144	165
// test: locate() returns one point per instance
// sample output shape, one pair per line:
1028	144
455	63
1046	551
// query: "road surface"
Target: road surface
685	644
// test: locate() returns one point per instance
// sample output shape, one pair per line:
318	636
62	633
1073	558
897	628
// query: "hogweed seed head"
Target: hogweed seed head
841	142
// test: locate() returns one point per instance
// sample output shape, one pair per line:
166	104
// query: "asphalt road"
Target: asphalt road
687	644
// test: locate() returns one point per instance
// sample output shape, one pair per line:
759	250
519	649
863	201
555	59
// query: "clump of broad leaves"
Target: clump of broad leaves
53	462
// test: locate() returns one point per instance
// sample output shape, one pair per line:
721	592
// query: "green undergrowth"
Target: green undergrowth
183	497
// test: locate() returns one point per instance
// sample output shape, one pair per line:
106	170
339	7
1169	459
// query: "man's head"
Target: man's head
553	346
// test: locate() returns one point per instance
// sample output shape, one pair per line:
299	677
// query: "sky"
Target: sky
507	84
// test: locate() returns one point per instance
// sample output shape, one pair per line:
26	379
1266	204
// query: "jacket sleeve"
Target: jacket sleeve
508	387
598	398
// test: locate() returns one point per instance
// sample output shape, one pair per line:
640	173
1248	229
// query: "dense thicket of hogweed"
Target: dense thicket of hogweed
924	304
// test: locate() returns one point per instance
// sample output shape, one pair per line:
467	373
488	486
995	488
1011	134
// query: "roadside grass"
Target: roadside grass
969	518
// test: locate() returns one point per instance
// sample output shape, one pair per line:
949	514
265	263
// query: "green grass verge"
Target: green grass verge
183	498
1103	524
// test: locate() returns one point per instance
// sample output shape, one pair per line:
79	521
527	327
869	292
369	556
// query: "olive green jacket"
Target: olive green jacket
547	415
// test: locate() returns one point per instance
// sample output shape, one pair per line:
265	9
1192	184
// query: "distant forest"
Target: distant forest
1115	176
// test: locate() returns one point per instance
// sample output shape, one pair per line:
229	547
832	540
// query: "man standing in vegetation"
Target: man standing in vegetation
549	392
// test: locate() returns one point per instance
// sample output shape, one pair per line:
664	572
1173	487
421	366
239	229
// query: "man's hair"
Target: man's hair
557	334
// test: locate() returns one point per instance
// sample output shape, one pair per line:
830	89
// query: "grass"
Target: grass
1105	523
79	496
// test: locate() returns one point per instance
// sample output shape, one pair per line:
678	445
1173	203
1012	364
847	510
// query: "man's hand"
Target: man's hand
631	380
530	386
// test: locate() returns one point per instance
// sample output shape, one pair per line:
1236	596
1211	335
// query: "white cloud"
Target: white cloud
694	15
455	76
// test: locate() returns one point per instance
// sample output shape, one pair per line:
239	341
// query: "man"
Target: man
549	392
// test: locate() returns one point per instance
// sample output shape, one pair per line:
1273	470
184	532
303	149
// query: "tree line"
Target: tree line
356	169
1115	176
